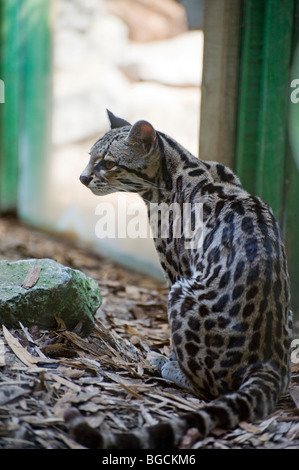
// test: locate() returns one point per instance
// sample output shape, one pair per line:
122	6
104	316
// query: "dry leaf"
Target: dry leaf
66	382
249	427
18	349
31	277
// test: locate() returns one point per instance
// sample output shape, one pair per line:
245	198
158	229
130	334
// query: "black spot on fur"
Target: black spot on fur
237	292
176	324
236	342
223	321
209	362
238	207
194	323
247	225
209	324
224	280
215	341
191	336
177	339
251	248
255	341
252	293
197	172
239	270
220	305
248	310
234	310
187	305
203	311
192	349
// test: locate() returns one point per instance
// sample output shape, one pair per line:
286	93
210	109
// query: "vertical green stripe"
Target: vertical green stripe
249	93
272	123
263	98
25	68
36	105
10	110
264	162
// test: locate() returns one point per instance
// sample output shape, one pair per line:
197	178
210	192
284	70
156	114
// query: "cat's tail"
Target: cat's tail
255	399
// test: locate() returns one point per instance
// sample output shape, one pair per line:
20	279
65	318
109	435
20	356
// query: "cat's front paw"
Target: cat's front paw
157	360
169	369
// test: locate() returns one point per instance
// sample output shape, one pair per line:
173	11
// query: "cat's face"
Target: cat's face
121	159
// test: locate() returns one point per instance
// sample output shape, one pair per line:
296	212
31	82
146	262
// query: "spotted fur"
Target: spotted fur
228	303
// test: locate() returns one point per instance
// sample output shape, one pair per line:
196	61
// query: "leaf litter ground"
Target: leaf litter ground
107	375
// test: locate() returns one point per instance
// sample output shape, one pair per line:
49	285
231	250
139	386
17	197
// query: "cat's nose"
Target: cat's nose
85	180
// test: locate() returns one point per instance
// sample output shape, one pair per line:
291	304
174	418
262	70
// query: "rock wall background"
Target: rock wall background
136	57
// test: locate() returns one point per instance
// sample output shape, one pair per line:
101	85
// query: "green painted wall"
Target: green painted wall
25	68
265	162
10	110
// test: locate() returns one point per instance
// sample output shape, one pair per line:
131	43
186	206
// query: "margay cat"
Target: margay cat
228	303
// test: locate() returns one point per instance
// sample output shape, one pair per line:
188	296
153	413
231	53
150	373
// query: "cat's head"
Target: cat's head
124	159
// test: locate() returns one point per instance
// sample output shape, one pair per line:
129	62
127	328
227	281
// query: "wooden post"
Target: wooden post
220	80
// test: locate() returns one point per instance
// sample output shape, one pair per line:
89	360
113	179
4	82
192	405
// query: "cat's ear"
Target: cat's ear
142	132
115	121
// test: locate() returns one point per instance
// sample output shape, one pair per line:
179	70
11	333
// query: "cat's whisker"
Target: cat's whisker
152	185
126	190
148	185
118	188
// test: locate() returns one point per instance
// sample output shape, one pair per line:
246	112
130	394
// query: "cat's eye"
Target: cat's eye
105	164
108	164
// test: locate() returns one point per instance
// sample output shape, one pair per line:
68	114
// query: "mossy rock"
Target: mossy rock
58	291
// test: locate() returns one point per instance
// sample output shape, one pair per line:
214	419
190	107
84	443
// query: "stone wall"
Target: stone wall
98	66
